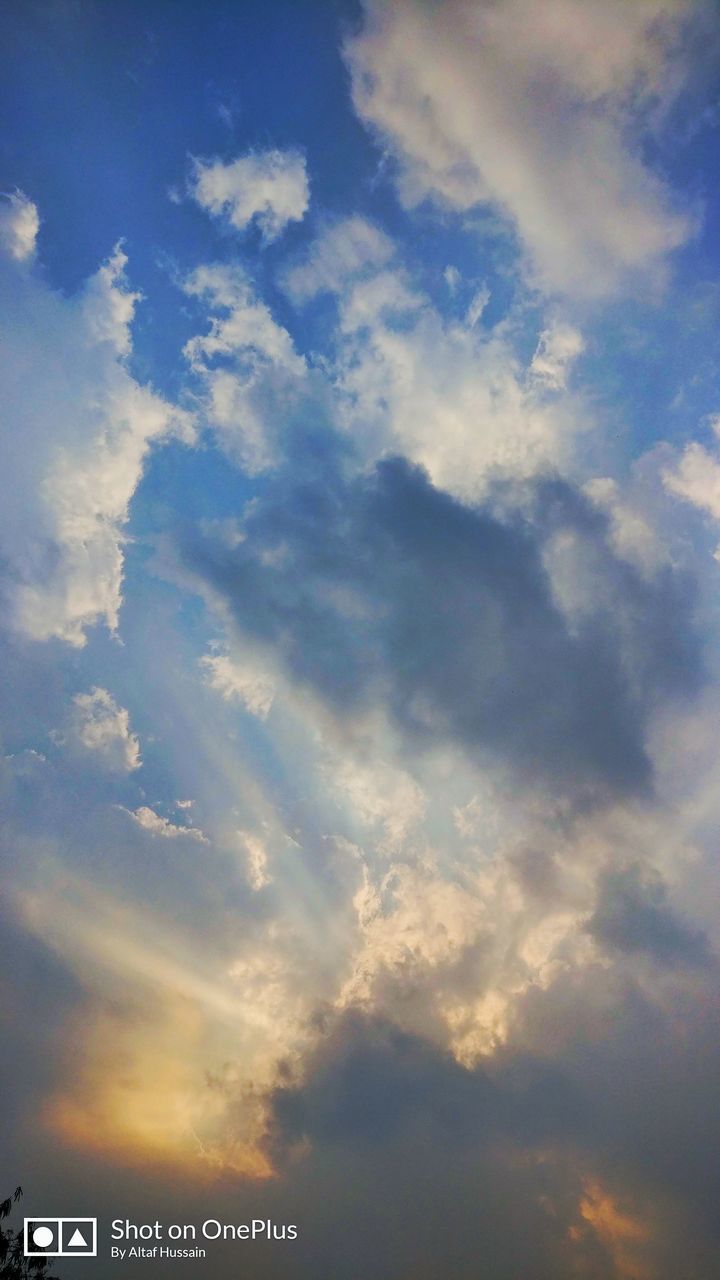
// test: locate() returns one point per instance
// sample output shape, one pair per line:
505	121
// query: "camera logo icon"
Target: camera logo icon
60	1238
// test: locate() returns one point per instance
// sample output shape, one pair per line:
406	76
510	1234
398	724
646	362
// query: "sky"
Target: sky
359	566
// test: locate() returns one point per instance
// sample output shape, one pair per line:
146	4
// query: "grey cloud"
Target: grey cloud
643	1062
493	1163
369	1082
385	589
418	1167
430	1154
633	915
601	1082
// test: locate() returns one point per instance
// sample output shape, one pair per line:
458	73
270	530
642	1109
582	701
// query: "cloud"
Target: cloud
134	1090
643	1112
398	376
456	795
477	306
368	1079
240	682
103	727
246	324
632	534
343	251
257	860
267	187
252	377
696	477
19	225
632	914
455	397
489	634
391	1099
557	350
570	1130
383	798
154	822
537	113
78	429
418	929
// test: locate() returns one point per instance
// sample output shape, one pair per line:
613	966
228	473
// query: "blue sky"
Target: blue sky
360	475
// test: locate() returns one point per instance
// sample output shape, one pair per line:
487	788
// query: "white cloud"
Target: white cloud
339	253
104	727
257	860
269	187
557	350
19	225
247	326
249	395
154	822
240	682
415	927
631	534
77	430
381	796
368	303
449	395
697	477
478	304
535	110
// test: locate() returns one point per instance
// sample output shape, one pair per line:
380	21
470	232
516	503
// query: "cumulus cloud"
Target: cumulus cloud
463	841
399	376
486	633
270	188
251	374
78	428
534	111
157	825
19	225
570	1129
695	478
104	727
454	397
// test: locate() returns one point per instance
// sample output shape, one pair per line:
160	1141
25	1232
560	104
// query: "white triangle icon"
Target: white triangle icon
77	1240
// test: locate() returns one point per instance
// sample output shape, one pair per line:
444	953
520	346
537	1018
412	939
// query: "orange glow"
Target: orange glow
623	1233
142	1098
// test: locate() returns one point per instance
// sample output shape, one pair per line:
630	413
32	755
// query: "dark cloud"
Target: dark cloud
370	1081
398	1162
494	1163
386	589
643	1061
445	1165
633	915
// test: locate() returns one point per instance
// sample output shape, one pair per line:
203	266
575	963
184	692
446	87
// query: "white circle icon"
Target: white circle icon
42	1237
